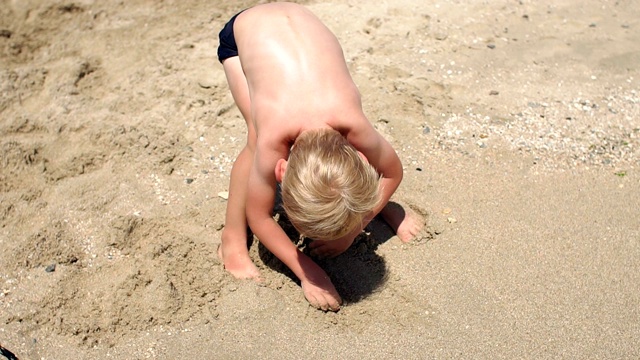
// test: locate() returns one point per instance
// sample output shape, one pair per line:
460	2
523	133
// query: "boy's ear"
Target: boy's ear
281	167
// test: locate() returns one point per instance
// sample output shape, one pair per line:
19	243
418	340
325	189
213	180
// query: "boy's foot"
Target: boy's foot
237	262
405	222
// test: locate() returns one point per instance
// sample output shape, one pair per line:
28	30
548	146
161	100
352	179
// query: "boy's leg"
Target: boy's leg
233	251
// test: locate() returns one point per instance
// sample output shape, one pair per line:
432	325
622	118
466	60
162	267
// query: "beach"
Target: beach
517	123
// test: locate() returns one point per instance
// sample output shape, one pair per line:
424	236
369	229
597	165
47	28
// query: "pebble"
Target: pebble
426	130
50	268
440	36
224	195
207	83
452	220
491	46
493	92
188	180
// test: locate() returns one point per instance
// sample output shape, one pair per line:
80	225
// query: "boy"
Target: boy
288	77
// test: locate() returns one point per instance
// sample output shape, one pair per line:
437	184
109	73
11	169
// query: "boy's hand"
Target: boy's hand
320	292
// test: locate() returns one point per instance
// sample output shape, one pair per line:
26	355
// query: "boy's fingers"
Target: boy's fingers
325	305
320	303
329	303
334	303
313	301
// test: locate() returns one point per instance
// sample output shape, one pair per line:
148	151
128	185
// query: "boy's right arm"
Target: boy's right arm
316	285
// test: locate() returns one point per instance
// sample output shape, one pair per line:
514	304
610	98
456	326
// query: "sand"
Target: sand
517	123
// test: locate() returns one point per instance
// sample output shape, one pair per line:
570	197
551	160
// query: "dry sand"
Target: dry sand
517	123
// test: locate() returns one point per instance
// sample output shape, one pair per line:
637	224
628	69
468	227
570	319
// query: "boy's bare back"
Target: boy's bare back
295	70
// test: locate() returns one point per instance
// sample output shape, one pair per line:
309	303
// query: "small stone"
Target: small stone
418	169
426	130
50	268
440	36
452	220
188	180
223	195
592	25
491	46
446	211
207	82
493	92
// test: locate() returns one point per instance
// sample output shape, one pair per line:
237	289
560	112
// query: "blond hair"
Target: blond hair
328	188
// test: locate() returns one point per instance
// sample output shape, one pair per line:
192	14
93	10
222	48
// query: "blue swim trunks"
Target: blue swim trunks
228	47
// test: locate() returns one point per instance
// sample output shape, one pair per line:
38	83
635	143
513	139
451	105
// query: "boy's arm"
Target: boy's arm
316	285
380	155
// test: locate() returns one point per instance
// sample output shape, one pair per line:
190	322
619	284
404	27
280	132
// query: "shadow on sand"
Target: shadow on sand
356	274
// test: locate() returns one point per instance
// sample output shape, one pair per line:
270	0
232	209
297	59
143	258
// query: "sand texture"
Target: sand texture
517	122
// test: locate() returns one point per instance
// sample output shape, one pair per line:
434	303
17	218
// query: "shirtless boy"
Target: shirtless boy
288	77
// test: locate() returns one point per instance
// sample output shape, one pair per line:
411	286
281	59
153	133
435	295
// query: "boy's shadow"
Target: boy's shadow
356	274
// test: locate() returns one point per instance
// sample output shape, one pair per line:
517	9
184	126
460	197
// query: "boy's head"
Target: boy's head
328	186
